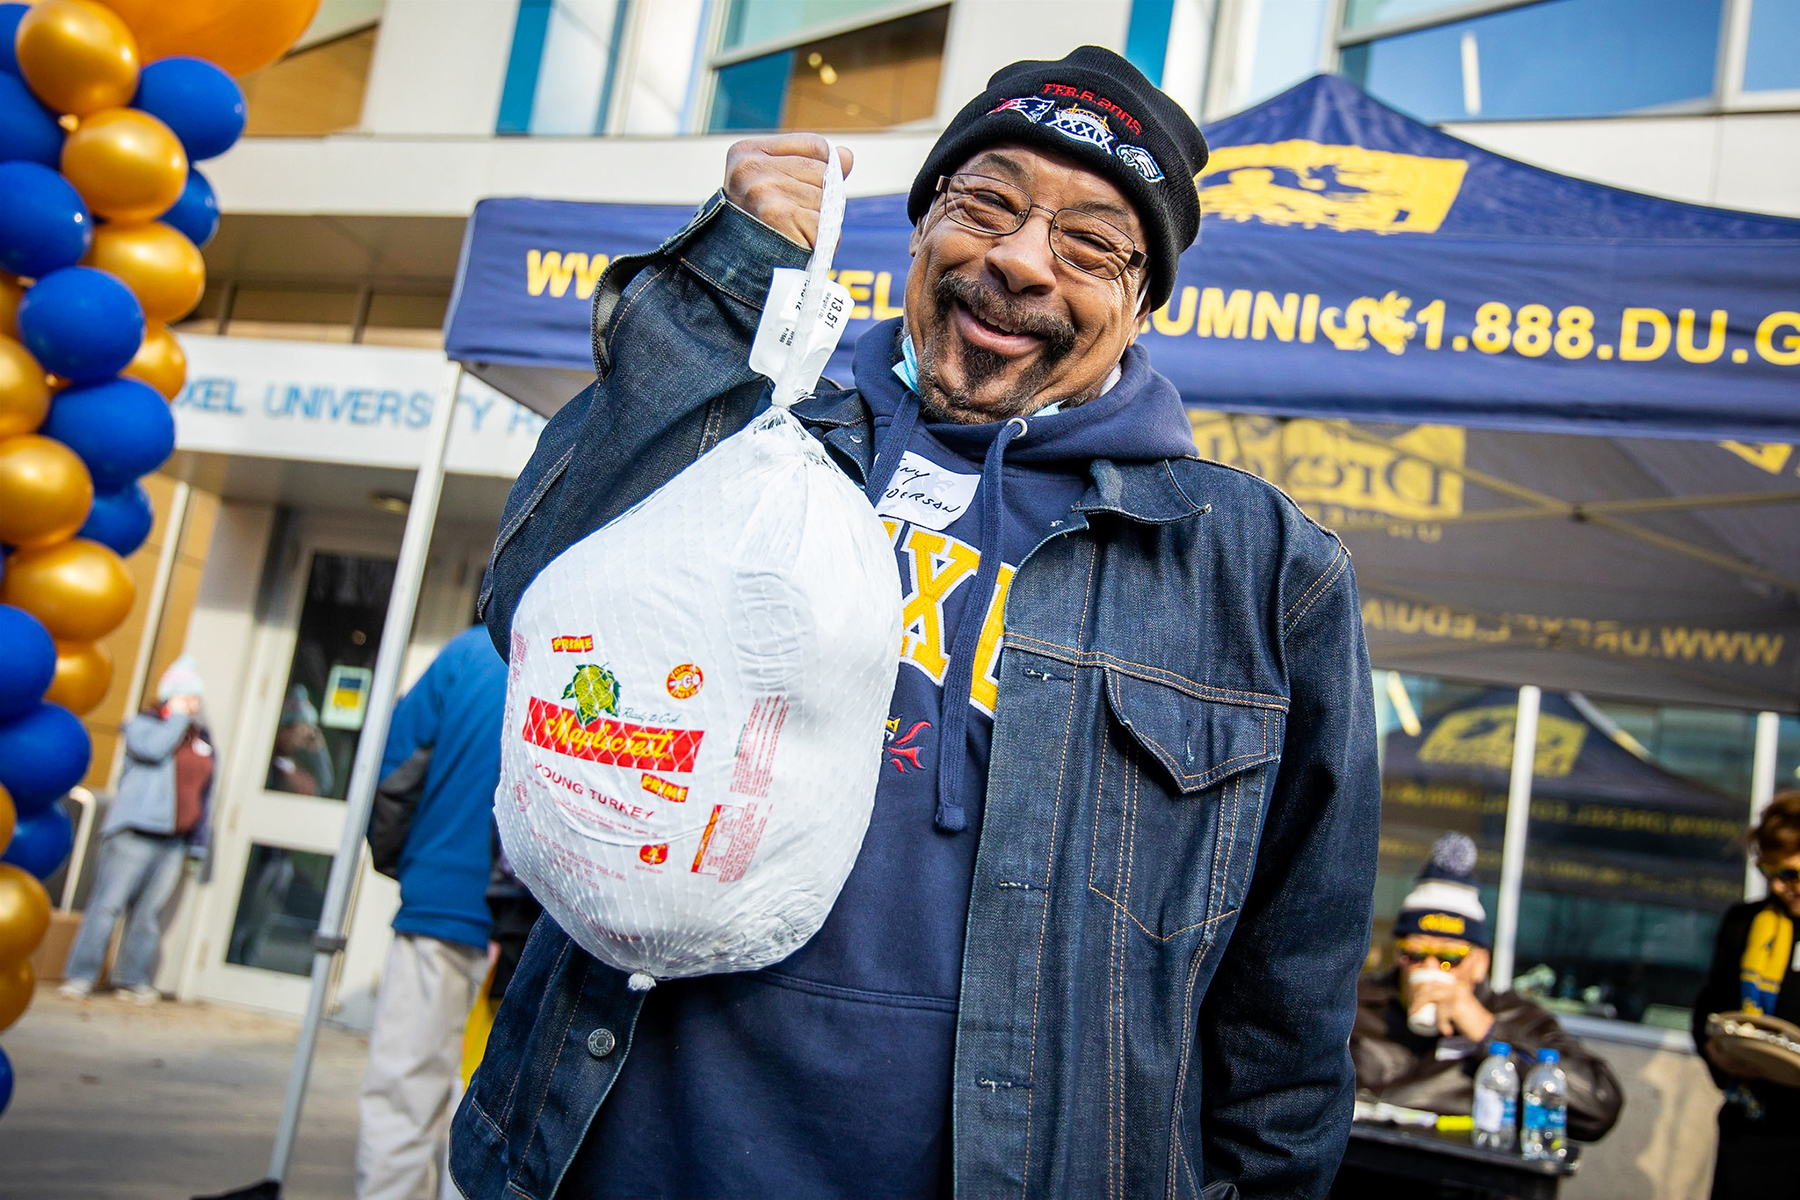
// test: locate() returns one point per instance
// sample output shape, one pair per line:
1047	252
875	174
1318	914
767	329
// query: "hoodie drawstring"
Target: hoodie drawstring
953	740
893	445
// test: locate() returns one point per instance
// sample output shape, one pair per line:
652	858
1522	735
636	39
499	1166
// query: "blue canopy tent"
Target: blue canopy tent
1404	331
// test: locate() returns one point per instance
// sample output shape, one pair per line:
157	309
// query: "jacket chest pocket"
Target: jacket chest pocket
1178	799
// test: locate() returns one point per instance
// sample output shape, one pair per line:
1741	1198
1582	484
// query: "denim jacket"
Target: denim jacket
1173	884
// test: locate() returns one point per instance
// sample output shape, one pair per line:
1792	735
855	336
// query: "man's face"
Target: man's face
1001	326
1782	885
1464	960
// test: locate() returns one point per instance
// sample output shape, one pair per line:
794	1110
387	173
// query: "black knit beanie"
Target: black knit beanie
1098	107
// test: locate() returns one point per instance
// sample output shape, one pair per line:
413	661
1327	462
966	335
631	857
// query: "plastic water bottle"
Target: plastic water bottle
1497	1100
1546	1110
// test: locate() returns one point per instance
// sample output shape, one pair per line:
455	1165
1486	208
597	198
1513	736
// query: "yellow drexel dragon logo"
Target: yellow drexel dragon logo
1311	184
1483	737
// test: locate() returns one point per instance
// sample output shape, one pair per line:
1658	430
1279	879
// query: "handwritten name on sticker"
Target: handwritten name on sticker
926	494
570	644
613	743
656	786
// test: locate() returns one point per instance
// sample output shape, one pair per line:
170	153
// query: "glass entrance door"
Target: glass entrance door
282	814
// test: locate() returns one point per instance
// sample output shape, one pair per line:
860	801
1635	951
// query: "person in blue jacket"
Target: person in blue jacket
439	953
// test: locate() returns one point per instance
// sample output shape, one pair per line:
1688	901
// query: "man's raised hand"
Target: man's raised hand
780	180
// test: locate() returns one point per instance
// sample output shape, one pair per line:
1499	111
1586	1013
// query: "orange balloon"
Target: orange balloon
161	267
239	35
16	984
160	361
83	673
126	164
45	491
11	292
79	589
24	913
24	391
9	818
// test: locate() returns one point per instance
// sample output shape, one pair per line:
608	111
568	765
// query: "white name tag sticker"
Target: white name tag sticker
926	494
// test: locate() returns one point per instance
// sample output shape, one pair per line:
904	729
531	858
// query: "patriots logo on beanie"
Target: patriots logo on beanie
1446	901
1101	110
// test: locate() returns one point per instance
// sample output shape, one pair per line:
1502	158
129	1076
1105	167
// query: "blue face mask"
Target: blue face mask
907	369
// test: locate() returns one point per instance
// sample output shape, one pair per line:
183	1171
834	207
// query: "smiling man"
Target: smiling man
1103	934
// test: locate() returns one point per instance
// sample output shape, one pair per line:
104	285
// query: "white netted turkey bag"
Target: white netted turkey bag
697	691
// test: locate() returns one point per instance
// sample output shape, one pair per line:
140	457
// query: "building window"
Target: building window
753	22
1557	58
564	62
1772	57
871	77
1147	36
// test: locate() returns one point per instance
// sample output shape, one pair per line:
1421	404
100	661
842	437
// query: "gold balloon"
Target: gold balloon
16	984
239	35
160	361
126	164
11	292
9	818
79	589
83	673
78	56
161	267
24	392
45	491
24	913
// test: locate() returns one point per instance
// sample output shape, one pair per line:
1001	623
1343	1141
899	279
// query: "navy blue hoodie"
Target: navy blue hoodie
829	1073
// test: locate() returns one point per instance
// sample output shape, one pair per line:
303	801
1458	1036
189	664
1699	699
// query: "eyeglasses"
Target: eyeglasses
1787	875
998	209
1414	955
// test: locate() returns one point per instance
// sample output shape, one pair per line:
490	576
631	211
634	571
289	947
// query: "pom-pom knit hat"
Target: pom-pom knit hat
1098	108
1446	901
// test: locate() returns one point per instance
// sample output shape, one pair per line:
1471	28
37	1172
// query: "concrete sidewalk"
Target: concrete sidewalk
171	1100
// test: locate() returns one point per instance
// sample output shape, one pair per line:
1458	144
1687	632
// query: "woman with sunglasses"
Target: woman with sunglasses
1753	970
1425	1025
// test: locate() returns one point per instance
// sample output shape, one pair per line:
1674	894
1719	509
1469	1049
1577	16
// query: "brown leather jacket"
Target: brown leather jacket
1398	1066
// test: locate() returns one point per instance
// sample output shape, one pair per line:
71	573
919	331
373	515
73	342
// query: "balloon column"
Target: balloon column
104	109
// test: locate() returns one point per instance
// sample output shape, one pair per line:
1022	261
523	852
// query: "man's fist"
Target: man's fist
780	180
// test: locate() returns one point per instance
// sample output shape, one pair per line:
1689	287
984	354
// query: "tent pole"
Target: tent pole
396	631
1762	790
1518	824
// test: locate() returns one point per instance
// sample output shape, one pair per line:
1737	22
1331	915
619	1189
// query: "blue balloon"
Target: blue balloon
121	429
9	62
44	224
28	130
80	323
196	214
6	1071
27	664
42	755
200	102
41	842
119	520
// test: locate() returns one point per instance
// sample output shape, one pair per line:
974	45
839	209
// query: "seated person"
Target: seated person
1423	1027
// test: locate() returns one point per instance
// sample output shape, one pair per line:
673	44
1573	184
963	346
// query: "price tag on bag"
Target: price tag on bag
781	316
